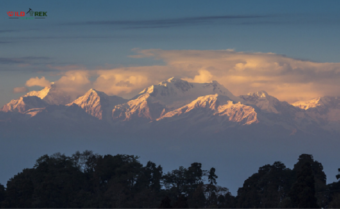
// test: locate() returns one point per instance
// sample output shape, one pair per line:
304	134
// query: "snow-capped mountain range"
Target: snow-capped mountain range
205	107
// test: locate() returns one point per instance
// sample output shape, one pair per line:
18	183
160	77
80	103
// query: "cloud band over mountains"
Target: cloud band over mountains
286	78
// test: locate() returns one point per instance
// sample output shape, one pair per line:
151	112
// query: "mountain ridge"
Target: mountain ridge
208	105
97	103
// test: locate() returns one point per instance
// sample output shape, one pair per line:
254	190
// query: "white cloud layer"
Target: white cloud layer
38	82
286	78
241	72
75	81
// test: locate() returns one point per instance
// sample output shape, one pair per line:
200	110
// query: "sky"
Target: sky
288	48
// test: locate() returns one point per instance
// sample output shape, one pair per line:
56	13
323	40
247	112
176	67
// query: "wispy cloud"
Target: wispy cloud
22	60
251	19
7	31
7	61
29	64
286	78
186	21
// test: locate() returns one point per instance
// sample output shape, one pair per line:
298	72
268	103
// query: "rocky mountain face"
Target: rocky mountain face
24	104
97	103
323	110
206	107
265	102
53	95
153	102
190	107
271	111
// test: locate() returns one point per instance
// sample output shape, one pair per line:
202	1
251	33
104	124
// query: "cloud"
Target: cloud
129	81
7	61
185	21
119	82
38	82
76	81
203	76
232	20
242	72
22	89
22	60
125	82
286	78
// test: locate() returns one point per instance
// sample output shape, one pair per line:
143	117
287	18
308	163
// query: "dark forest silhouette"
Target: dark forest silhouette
90	180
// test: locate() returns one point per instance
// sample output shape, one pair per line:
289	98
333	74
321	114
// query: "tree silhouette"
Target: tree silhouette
334	193
302	194
194	175
212	176
20	190
266	188
2	195
166	203
177	179
197	198
90	180
229	201
319	177
181	202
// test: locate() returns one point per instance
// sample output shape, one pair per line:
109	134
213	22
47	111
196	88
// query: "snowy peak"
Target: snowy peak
175	92
91	99
140	108
305	105
326	101
175	104
154	101
180	84
174	79
97	103
324	110
256	96
211	106
34	102
238	113
264	101
41	94
53	95
172	86
219	89
259	94
208	101
24	104
92	96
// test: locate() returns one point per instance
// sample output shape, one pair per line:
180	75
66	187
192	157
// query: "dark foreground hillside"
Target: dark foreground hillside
121	181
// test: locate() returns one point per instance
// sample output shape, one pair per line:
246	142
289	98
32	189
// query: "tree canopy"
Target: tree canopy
121	181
